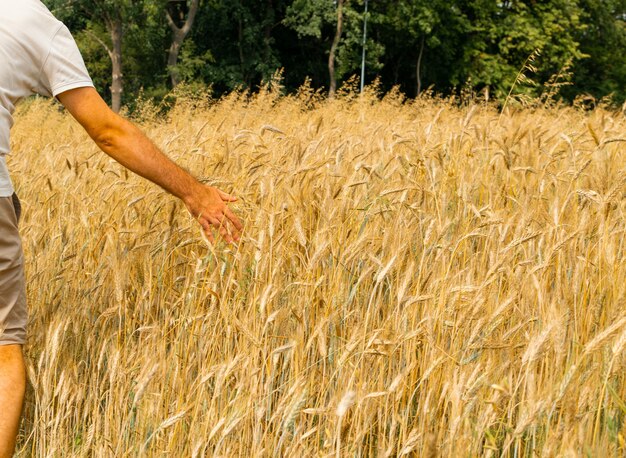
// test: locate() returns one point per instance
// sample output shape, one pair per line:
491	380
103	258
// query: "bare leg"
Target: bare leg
12	388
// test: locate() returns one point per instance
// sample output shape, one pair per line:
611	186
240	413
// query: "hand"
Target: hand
208	205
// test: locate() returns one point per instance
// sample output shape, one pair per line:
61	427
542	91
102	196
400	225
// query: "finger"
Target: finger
226	197
233	224
233	218
223	230
236	235
219	223
216	221
225	235
206	227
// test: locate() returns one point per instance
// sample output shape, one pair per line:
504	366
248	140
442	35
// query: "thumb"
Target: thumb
226	197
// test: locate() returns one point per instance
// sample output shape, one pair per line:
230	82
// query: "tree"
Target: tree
235	40
114	15
337	26
350	53
180	19
333	49
113	23
602	72
416	25
411	43
311	18
504	34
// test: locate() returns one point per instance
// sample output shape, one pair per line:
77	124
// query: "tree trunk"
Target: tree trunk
267	30
172	58
419	68
333	50
269	4
178	37
242	60
115	27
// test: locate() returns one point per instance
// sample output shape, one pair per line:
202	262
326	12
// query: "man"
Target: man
39	56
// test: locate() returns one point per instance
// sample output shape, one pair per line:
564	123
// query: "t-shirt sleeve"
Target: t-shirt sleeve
64	68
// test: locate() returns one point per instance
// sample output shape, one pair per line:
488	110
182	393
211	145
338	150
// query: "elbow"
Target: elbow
109	135
104	140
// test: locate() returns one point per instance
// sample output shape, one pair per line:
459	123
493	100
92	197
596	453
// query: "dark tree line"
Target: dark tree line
445	45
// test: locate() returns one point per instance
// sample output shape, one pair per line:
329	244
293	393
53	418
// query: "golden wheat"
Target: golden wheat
416	278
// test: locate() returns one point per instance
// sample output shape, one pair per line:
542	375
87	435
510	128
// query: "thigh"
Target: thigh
13	315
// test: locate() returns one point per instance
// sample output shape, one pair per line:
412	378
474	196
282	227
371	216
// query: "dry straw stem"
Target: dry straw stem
456	277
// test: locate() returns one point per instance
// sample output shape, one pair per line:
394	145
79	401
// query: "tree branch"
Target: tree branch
99	40
191	17
170	22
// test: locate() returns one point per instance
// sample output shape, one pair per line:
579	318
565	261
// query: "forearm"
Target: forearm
125	143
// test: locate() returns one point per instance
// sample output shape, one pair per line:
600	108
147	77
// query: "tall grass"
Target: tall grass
416	278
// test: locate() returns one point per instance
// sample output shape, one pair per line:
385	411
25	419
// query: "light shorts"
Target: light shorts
13	313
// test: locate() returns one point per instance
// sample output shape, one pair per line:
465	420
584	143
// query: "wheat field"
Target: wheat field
417	278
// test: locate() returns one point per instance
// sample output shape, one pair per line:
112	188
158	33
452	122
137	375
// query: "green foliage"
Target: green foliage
95	55
310	17
351	45
475	44
603	72
433	30
504	35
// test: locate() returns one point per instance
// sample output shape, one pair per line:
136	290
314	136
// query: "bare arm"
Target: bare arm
125	143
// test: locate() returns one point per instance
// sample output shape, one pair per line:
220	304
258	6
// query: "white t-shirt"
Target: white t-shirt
37	56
